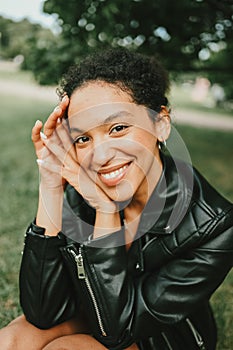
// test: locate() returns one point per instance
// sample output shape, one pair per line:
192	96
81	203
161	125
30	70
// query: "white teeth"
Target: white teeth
114	173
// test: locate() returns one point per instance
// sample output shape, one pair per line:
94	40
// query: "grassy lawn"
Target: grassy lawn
18	183
211	153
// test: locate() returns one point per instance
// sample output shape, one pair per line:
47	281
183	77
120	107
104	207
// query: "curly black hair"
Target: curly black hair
143	77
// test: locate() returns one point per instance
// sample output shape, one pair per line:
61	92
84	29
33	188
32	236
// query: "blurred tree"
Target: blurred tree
186	35
18	38
182	28
220	68
180	32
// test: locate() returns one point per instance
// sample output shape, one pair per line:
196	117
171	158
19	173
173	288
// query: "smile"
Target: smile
112	178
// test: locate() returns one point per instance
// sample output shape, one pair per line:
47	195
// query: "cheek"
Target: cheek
144	146
145	138
83	157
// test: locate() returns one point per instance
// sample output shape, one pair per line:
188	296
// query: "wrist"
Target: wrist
106	222
107	208
49	214
57	190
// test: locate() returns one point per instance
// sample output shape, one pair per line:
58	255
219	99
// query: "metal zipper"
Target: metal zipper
166	341
79	263
83	276
196	335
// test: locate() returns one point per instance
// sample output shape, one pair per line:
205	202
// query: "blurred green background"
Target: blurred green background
194	41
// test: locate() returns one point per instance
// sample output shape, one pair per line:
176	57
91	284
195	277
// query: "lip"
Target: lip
112	176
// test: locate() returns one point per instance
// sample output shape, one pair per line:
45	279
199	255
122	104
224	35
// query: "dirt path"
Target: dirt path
203	120
31	90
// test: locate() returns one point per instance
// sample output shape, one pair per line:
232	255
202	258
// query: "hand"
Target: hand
58	164
48	178
58	161
63	162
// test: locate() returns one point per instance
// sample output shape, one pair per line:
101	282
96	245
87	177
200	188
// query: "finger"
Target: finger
66	140
57	149
55	168
57	114
64	103
51	123
35	136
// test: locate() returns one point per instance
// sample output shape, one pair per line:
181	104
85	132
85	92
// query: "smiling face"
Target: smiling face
115	141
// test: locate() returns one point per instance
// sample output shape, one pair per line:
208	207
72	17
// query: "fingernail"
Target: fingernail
59	120
39	161
57	109
43	136
64	98
37	122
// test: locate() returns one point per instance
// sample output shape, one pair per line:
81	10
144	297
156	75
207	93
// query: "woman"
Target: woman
143	240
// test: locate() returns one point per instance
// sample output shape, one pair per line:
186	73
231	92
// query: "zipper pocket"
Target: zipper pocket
83	276
166	341
196	334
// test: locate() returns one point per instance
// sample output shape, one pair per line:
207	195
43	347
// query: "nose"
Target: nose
102	153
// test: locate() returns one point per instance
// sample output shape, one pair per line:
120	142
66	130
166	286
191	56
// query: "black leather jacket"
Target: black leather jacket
157	293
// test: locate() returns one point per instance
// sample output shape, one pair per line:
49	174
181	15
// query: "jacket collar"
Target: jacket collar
170	200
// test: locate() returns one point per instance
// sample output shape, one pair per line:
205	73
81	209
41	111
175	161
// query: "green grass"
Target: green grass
211	153
18	183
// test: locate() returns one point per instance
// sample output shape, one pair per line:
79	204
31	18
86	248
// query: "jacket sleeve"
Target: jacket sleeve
46	294
127	309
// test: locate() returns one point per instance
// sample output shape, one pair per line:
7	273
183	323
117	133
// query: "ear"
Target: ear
163	124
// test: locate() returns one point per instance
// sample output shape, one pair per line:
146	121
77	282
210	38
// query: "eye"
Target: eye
81	140
118	128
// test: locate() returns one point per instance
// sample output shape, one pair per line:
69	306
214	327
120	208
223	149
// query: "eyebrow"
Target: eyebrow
109	119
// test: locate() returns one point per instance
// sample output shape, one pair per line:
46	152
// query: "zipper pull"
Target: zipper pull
80	266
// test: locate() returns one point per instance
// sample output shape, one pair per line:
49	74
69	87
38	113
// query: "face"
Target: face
115	141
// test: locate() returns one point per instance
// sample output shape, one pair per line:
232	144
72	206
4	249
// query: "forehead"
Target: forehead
98	103
108	113
96	93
